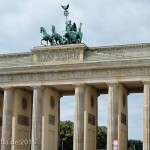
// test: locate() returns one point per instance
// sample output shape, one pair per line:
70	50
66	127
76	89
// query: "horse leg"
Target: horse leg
47	42
61	41
41	42
57	42
50	41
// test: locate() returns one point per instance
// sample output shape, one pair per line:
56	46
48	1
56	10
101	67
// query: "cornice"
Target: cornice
122	47
59	47
74	47
23	62
15	55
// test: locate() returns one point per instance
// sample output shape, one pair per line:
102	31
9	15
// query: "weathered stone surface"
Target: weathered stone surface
78	139
62	67
37	118
7	119
146	115
120	74
112	124
59	54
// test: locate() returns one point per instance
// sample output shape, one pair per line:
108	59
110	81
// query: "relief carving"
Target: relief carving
58	55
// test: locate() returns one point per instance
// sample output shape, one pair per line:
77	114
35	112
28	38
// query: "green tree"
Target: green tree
101	137
66	134
135	143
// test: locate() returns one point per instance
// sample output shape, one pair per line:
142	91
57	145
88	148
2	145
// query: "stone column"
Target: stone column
37	119
146	117
90	118
58	124
112	122
7	119
78	140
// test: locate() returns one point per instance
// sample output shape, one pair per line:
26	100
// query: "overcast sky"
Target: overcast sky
105	22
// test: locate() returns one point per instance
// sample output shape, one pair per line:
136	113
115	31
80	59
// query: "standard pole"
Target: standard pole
62	144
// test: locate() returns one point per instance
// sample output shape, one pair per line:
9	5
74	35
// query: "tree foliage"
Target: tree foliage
137	144
101	137
66	134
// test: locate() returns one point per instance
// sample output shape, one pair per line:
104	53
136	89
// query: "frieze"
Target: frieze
58	55
69	75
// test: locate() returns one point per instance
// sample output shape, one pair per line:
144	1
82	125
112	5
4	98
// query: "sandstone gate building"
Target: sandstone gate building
31	85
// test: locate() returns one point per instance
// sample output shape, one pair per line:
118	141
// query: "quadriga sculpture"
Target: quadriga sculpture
72	35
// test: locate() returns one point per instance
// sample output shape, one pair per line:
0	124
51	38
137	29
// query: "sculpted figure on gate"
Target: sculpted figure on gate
71	34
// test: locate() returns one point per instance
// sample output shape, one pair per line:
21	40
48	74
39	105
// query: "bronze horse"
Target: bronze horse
46	36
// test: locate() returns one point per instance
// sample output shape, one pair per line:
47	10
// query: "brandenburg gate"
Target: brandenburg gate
32	83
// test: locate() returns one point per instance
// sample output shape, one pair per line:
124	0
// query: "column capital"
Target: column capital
7	87
113	83
146	81
79	85
34	87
